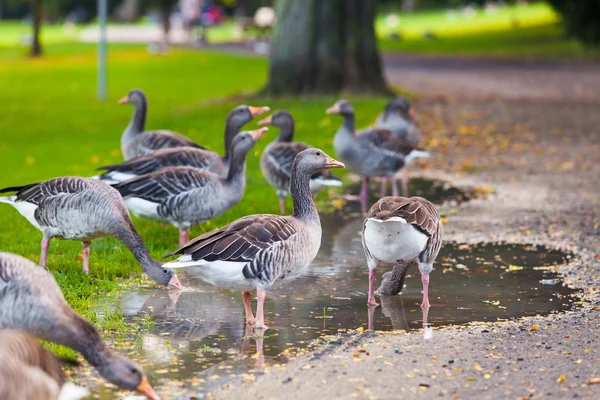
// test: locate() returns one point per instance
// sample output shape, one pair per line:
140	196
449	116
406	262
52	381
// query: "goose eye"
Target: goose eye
134	371
165	271
318	153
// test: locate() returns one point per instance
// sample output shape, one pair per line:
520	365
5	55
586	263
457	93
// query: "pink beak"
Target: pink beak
174	282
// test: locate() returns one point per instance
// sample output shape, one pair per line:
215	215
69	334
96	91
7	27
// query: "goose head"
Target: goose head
315	160
163	276
279	118
244	141
341	107
243	114
401	106
126	374
135	97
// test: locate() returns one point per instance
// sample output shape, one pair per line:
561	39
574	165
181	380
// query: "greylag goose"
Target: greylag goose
277	158
76	208
184	156
257	251
187	196
371	152
405	231
400	118
28	371
137	142
30	300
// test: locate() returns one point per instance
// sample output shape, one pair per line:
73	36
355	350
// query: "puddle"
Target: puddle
199	340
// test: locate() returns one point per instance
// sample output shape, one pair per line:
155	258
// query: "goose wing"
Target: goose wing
385	139
160	139
35	193
281	156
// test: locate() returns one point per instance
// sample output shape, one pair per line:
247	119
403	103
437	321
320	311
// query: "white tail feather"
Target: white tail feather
71	391
413	155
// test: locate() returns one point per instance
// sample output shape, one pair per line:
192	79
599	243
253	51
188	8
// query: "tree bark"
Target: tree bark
325	46
36	22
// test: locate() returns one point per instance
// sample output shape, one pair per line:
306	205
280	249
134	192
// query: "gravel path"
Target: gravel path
530	134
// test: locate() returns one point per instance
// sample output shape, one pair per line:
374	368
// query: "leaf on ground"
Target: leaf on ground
477	366
594	381
561	378
534	328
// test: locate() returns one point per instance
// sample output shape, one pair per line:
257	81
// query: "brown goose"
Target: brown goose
184	156
30	300
135	141
404	231
259	250
84	209
28	371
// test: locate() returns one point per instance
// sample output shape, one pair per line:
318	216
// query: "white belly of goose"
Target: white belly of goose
223	274
394	239
26	209
114	177
142	208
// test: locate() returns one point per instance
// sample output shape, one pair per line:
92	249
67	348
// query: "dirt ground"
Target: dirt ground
528	136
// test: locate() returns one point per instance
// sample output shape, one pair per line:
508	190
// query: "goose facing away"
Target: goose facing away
186	196
28	371
371	152
400	118
30	300
277	158
184	156
135	141
256	251
405	231
76	208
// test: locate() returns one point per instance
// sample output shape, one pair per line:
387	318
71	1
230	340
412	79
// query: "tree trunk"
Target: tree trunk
166	7
36	22
325	46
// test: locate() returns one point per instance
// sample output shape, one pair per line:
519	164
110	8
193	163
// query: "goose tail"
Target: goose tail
413	155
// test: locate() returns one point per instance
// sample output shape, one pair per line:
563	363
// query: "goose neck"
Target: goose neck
286	130
231	130
138	120
132	240
304	205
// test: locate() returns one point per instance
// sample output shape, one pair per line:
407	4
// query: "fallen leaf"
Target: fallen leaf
594	381
477	366
561	378
534	328
578	361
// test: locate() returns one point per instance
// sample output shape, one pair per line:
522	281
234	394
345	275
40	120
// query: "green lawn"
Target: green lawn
52	125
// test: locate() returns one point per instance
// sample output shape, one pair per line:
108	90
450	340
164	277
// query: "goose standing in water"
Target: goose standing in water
184	156
28	371
400	118
135	141
372	152
76	208
30	300
277	158
257	251
186	196
404	231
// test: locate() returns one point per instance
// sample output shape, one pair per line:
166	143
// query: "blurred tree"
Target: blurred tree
37	11
581	18
325	47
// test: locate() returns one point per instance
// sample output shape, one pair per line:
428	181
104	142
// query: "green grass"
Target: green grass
52	125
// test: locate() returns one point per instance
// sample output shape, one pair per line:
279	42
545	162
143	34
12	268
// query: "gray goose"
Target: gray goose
184	156
256	251
76	208
404	231
400	118
187	196
30	300
135	141
28	371
277	158
372	152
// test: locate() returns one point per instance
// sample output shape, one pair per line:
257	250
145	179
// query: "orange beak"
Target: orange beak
335	109
266	121
331	163
258	133
145	388
124	100
174	282
256	111
413	114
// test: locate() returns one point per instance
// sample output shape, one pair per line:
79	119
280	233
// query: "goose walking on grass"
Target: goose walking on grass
28	371
371	152
257	251
404	231
277	158
135	141
400	118
184	156
30	300
186	196
76	208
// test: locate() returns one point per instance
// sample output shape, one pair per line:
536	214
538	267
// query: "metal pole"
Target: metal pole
102	11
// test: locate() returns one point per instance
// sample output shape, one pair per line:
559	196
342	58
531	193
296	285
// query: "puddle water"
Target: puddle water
199	339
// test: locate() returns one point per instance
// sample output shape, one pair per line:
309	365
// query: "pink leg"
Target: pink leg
44	254
394	187
85	249
371	317
363	194
183	236
372	277
260	354
404	179
383	189
425	280
247	297
282	205
260	314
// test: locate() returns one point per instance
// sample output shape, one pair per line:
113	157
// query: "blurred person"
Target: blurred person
191	11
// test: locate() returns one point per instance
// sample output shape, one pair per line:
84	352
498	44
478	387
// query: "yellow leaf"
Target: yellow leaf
594	381
477	366
578	361
444	220
561	378
534	328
